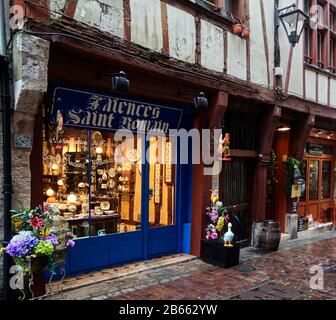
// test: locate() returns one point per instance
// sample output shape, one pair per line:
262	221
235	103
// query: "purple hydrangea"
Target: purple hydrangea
22	244
52	238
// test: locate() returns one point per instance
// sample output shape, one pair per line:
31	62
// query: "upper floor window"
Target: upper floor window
307	45
306	6
320	51
332	22
332	53
229	7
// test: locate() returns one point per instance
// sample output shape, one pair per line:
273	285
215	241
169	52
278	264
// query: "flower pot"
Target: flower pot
214	252
237	28
246	33
39	264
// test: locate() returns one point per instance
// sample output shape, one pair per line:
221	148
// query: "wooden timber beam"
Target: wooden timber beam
83	40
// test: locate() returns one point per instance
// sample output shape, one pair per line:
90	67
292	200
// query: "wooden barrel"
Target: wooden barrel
270	235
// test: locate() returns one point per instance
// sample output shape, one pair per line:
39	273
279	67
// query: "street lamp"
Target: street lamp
293	21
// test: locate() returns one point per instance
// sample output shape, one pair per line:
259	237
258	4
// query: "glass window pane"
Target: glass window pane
313	179
303	176
326	179
115	184
229	6
161	182
65	176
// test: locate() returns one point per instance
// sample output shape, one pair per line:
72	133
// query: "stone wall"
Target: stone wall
30	68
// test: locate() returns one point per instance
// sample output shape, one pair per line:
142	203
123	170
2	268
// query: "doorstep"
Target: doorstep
118	272
317	229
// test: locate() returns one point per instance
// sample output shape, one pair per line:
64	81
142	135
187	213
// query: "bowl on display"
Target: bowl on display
72	208
105	205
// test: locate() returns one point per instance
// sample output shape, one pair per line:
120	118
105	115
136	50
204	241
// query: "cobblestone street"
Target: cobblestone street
280	275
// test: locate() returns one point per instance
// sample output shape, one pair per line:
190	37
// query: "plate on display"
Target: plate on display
112	172
97	136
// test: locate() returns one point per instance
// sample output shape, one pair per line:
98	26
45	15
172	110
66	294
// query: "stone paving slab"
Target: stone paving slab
190	278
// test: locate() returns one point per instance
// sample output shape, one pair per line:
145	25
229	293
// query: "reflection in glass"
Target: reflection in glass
303	176
161	182
313	179
93	180
326	179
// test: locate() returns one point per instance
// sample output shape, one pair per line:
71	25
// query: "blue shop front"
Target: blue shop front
114	175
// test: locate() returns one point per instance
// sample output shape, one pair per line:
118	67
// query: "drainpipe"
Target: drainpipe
6	132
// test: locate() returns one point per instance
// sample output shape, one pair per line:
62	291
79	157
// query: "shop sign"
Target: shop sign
74	108
168	162
315	148
157	183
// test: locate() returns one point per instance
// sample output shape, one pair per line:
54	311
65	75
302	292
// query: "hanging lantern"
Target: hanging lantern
293	21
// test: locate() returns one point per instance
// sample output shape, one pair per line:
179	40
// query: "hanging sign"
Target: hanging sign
315	148
296	191
82	109
157	183
168	162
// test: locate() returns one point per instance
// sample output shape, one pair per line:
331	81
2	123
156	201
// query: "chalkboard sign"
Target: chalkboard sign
303	224
315	148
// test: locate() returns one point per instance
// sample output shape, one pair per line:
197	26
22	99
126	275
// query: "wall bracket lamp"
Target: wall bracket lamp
120	83
293	20
200	101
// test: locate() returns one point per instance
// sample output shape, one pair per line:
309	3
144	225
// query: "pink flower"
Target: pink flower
70	243
227	218
214	235
36	223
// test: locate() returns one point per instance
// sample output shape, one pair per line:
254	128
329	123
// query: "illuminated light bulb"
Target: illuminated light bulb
60	182
72	198
99	150
50	192
54	166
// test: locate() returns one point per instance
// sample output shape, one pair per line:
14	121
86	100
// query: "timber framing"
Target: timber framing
87	40
84	40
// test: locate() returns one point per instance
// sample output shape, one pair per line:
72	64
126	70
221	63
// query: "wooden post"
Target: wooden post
269	122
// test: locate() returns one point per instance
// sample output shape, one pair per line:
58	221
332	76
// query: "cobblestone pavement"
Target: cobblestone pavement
287	269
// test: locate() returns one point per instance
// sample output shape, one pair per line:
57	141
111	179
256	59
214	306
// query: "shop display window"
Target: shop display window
95	180
326	179
95	192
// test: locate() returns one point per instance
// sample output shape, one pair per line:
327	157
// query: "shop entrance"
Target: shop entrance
317	200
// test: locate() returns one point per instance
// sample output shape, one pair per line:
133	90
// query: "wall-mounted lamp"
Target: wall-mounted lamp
201	102
120	83
293	21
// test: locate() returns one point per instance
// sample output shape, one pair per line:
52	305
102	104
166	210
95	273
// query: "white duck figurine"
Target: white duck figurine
228	236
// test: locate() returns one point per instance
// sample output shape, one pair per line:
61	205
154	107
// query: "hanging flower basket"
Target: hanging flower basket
237	28
245	33
39	244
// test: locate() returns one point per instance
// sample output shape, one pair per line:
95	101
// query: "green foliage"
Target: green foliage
44	248
272	166
291	164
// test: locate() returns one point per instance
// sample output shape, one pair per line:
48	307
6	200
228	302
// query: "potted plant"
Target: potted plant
237	25
34	246
219	247
241	26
